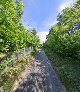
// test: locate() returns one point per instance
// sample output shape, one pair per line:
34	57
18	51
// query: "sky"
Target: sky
42	14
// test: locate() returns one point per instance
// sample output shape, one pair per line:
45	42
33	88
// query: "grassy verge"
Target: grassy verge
68	70
10	74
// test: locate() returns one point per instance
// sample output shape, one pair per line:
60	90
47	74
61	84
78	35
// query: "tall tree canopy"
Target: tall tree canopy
13	35
64	37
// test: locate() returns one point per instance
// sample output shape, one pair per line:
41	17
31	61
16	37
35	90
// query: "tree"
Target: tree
64	37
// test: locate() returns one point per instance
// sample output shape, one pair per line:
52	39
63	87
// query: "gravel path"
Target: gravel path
40	76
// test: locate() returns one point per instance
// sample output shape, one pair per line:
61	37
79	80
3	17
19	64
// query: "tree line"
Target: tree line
64	37
13	35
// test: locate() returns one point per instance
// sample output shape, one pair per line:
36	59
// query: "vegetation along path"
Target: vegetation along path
40	76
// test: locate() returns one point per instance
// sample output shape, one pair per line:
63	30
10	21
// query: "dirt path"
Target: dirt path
39	76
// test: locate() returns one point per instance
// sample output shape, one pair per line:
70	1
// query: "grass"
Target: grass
10	74
67	70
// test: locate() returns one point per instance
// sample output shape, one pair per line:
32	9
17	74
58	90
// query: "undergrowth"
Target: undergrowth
68	70
9	74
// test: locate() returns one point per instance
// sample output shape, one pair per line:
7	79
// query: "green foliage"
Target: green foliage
64	37
63	47
68	71
5	63
13	35
32	39
8	73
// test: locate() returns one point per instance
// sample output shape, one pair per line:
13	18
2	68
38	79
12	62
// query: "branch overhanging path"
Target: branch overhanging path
40	76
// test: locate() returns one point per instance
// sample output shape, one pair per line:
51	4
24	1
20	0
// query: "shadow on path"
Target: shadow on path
41	77
35	82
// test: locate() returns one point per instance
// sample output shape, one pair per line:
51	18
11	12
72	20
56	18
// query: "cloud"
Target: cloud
65	4
42	35
62	6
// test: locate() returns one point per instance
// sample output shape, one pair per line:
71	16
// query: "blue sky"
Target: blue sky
42	14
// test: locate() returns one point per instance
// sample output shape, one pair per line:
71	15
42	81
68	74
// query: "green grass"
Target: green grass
67	70
10	74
